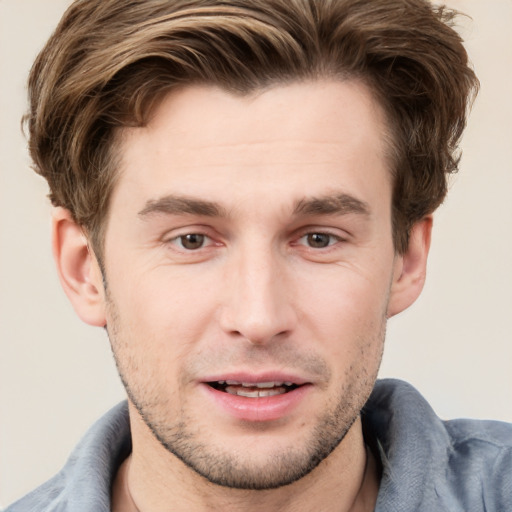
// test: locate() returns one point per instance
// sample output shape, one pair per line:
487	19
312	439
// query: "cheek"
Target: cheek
165	312
344	300
148	350
346	317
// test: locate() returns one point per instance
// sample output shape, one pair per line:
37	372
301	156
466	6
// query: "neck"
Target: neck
152	479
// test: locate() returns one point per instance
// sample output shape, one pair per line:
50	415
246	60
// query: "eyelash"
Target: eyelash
332	239
206	241
178	240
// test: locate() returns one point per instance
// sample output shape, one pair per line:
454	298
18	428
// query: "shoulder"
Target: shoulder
489	434
431	464
480	456
83	484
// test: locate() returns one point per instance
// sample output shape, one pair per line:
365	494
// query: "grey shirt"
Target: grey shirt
428	465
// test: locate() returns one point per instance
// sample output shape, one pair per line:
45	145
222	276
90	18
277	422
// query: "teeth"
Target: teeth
268	384
255	393
262	385
255	389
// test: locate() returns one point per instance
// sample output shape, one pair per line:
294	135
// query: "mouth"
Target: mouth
261	398
253	389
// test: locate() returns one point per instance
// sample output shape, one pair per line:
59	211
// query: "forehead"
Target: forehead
297	137
207	114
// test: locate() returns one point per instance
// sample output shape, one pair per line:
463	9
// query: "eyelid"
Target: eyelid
178	240
340	236
338	233
334	239
173	236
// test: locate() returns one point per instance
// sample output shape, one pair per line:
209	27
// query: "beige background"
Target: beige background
454	344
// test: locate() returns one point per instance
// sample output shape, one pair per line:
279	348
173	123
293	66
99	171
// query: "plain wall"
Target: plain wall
454	344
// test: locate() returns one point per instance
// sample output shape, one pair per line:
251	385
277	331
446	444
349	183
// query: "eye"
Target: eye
319	240
192	241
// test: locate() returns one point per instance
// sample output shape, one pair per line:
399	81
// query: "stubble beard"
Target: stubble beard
231	469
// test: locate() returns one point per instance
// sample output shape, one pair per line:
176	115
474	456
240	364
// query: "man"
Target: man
243	195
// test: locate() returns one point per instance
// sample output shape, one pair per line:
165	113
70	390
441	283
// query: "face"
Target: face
249	262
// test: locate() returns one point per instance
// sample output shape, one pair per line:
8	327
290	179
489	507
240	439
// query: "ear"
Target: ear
78	269
411	268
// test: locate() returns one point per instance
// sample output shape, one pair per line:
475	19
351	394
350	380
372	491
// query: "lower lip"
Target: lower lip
260	409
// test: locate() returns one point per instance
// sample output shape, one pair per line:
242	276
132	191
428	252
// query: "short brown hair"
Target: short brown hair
110	61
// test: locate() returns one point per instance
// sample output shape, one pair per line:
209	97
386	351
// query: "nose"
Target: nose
258	297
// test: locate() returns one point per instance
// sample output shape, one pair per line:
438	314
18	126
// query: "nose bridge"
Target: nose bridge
257	305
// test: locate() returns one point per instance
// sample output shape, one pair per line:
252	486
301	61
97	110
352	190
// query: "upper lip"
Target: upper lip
258	378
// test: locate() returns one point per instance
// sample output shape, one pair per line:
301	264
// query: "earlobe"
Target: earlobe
78	269
411	268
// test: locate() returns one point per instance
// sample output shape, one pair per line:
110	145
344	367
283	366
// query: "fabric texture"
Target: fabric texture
428	465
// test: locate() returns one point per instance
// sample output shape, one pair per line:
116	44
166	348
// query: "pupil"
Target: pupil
193	241
318	240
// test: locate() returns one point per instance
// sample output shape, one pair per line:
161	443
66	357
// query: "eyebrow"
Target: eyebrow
339	204
179	205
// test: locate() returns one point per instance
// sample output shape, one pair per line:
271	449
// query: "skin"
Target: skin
248	235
